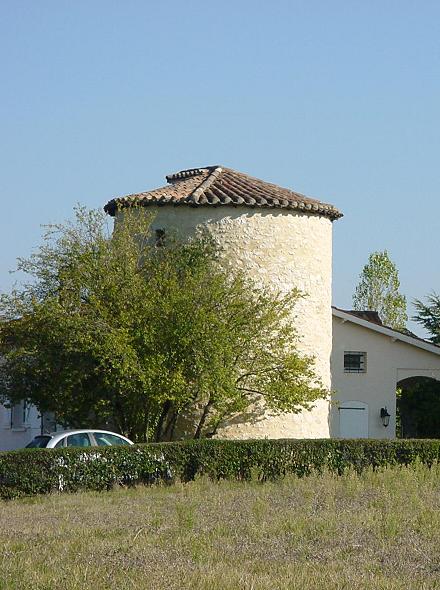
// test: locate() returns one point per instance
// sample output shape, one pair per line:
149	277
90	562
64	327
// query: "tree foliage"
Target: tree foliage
428	314
378	290
115	330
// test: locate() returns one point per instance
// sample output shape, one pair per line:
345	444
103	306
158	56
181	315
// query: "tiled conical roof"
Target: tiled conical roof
215	186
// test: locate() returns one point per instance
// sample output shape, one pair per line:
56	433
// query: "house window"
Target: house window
20	415
355	362
160	237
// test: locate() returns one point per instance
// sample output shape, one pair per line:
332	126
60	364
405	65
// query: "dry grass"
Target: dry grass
379	530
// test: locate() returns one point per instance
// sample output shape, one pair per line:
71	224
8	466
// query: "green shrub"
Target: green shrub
40	471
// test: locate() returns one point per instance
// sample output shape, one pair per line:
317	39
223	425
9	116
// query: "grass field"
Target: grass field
378	530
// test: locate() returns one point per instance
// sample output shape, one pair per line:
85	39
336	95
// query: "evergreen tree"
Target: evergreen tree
428	314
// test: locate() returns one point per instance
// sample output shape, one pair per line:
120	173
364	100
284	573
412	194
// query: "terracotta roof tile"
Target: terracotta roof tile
215	186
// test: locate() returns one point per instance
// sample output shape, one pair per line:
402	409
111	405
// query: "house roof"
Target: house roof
369	316
361	319
215	186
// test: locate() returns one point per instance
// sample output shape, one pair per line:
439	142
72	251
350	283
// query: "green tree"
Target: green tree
114	330
378	290
428	314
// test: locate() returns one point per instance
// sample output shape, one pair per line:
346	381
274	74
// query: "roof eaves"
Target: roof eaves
386	331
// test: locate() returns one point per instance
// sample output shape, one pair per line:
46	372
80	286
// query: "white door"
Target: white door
353	419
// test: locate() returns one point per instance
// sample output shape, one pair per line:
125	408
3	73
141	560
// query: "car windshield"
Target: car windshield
105	439
39	442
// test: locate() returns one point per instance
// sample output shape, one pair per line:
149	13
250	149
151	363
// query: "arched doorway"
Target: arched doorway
418	408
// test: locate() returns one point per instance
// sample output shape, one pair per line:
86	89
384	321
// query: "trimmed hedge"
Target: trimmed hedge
40	471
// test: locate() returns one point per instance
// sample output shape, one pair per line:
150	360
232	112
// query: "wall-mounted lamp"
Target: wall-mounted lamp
385	416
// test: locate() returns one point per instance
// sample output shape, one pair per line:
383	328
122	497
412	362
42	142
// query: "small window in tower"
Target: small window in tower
355	362
160	237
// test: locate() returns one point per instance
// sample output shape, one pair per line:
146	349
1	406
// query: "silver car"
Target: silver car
78	438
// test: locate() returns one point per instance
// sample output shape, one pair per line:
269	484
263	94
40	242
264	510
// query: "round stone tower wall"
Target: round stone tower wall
285	250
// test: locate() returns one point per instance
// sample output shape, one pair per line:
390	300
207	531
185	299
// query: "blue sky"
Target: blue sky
339	100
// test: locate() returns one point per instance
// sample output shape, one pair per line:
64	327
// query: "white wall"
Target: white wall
388	361
18	434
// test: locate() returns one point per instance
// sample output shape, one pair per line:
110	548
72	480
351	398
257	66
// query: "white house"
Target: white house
368	363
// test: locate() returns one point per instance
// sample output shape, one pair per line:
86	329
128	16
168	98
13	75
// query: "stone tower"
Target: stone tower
281	238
